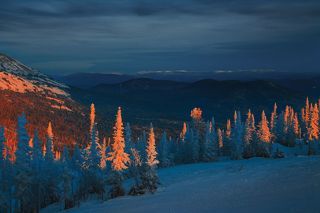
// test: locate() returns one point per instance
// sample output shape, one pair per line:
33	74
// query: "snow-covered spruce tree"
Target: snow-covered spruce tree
249	136
149	175
206	141
23	171
190	151
214	136
220	141
135	172
77	158
195	157
118	157
173	150
128	138
8	201
181	147
306	115
50	170
198	126
66	197
264	138
92	116
163	151
141	145
38	178
94	150
103	154
210	148
49	153
279	129
273	122
77	168
296	126
183	131
288	136
305	120
227	139
93	174
313	131
237	142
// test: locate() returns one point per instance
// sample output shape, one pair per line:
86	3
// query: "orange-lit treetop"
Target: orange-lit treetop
196	114
92	116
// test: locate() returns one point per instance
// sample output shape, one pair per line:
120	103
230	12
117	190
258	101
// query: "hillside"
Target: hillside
255	185
42	99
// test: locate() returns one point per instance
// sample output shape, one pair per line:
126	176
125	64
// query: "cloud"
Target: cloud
151	35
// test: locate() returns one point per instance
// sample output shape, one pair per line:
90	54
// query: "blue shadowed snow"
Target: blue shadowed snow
257	185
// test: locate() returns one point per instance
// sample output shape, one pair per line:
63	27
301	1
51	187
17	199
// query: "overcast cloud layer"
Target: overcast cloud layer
66	36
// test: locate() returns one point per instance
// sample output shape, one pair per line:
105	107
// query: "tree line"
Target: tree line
39	175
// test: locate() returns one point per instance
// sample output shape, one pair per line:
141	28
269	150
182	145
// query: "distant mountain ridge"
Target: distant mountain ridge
168	103
87	80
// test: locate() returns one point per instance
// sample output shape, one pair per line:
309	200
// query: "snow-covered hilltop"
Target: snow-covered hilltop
17	77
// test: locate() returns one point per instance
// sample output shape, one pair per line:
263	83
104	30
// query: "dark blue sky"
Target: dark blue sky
66	36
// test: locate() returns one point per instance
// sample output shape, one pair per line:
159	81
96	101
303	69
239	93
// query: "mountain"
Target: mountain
17	77
42	99
86	80
310	86
168	103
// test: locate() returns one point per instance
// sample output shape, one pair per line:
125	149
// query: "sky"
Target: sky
60	37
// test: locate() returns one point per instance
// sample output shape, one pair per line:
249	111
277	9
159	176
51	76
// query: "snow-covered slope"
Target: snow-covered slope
256	185
25	90
18	77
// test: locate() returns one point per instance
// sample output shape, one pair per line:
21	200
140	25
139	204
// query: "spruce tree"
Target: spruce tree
136	172
118	157
227	139
164	151
183	131
103	154
92	116
237	142
220	141
37	172
149	176
94	158
249	136
67	195
128	138
49	154
210	148
23	171
313	131
77	168
50	170
94	177
264	137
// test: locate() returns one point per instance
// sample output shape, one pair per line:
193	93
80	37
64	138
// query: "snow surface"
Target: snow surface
257	185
